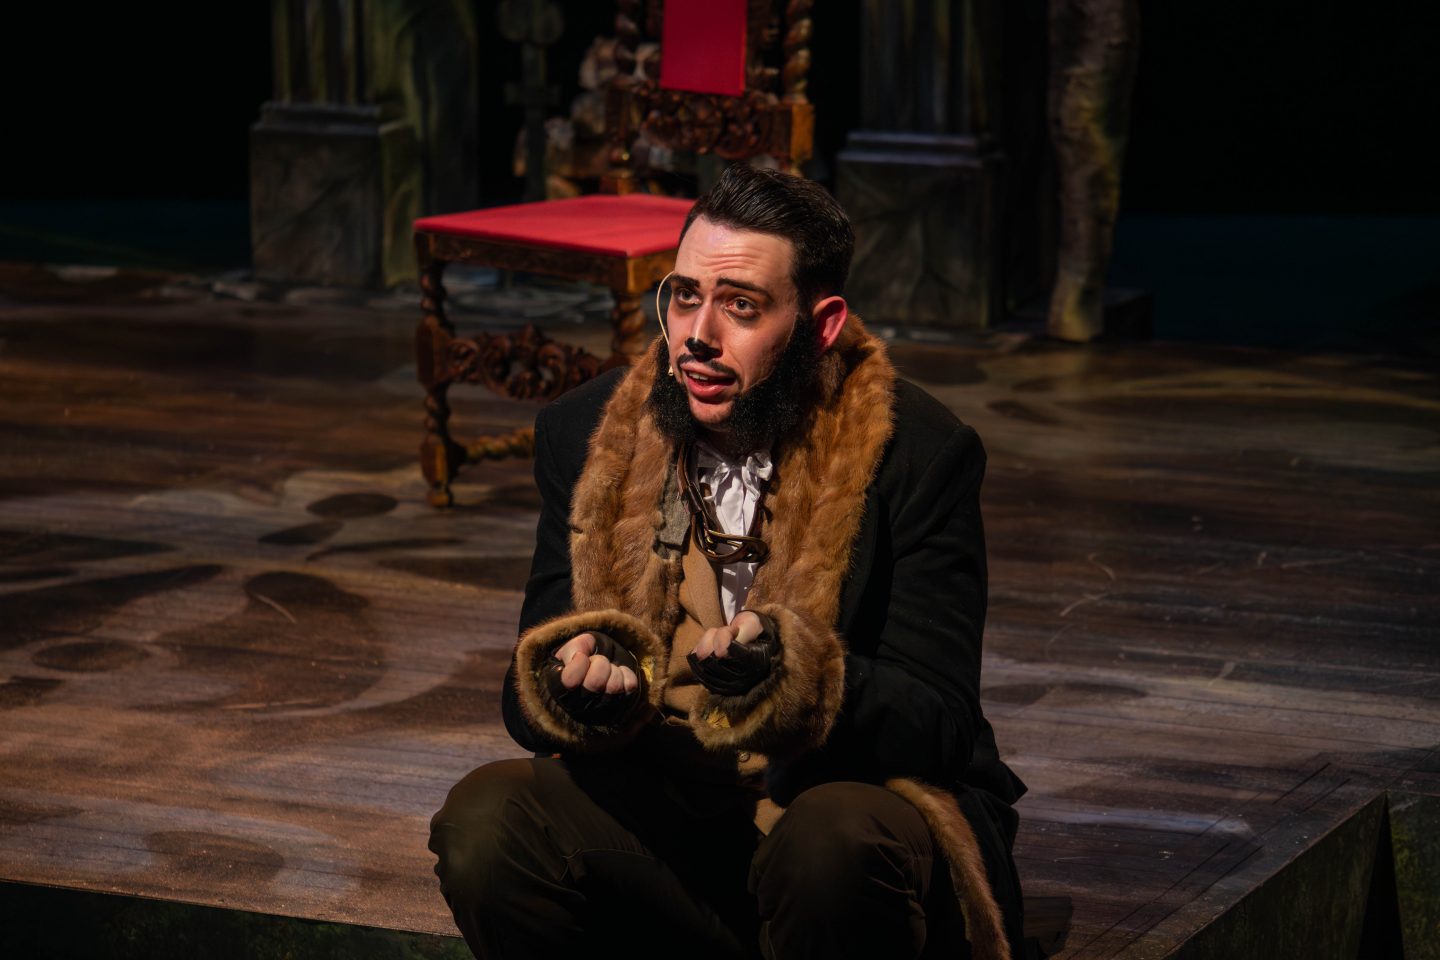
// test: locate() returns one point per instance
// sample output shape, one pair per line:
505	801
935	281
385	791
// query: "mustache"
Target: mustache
717	368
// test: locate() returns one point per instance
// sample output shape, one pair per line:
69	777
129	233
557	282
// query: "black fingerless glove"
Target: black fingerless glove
598	709
744	666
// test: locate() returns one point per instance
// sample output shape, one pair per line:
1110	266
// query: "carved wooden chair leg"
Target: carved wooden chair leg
628	323
440	457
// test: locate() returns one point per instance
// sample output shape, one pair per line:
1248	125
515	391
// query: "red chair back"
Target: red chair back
703	44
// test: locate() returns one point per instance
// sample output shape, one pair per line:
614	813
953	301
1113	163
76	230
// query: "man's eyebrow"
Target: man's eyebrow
741	284
676	278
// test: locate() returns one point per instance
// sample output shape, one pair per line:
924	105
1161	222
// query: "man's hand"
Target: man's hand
598	663
732	660
593	678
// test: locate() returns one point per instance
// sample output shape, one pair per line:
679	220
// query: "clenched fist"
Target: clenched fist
593	678
732	660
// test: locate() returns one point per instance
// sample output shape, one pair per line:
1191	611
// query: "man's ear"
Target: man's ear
829	315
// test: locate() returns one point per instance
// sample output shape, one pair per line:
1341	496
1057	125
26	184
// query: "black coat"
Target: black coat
911	613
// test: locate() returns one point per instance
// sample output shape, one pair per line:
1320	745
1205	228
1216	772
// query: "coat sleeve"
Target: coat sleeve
547	618
547	592
911	704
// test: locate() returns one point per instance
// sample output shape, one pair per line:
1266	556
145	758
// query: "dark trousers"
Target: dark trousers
541	857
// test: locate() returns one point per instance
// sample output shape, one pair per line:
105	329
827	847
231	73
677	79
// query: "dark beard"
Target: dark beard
760	415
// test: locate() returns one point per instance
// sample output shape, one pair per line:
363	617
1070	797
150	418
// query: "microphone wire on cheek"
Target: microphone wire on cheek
660	316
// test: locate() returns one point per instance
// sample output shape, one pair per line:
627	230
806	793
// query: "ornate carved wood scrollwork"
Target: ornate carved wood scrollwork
525	366
735	128
731	127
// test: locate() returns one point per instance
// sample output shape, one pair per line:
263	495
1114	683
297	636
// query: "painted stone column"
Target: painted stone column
373	124
921	178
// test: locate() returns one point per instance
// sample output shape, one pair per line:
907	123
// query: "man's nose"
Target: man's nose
701	338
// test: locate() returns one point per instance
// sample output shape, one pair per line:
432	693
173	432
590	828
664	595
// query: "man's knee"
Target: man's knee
844	874
483	822
840	838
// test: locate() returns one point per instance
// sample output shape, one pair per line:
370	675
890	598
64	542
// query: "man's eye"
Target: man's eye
742	307
685	296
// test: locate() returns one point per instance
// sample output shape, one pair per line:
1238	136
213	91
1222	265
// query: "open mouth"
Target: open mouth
706	385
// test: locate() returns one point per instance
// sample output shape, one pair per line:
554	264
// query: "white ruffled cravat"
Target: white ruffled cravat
734	490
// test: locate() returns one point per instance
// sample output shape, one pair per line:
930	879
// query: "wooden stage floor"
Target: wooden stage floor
241	661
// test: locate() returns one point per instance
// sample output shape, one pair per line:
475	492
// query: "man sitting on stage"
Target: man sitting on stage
750	644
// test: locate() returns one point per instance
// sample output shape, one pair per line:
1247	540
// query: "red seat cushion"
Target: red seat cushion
633	225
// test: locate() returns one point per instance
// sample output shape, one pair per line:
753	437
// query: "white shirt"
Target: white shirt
734	490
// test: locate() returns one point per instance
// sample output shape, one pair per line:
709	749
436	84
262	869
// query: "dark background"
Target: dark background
1273	144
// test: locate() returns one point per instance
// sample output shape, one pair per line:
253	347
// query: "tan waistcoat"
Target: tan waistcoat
700	604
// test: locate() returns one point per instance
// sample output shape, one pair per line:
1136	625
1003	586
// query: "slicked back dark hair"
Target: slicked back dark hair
800	210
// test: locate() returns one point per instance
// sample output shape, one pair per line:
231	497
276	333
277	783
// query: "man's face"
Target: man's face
732	312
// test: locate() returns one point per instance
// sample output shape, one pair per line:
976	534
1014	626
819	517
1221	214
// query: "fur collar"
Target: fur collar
816	501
